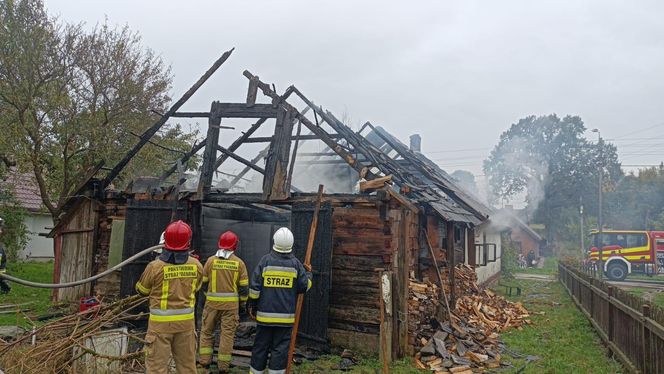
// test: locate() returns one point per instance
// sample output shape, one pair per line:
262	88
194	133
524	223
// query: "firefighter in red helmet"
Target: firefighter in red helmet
227	291
171	282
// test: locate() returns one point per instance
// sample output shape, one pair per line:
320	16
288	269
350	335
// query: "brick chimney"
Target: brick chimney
416	143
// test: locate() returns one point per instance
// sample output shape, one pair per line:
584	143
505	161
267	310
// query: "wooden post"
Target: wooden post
307	261
440	278
210	153
470	240
385	296
289	179
610	298
451	262
402	289
276	166
645	335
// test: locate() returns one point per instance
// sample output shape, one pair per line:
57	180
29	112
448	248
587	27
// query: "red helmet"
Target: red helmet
228	241
177	236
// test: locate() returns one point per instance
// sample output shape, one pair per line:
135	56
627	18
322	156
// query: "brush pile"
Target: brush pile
468	339
57	346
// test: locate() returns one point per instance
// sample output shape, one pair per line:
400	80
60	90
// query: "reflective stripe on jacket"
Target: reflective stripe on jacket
228	282
276	282
171	289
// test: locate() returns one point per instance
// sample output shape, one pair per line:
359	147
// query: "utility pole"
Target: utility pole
583	250
600	242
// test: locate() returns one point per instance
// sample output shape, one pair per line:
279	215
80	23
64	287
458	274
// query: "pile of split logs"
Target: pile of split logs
469	339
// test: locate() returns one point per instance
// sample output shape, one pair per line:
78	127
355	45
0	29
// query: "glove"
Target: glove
307	267
251	308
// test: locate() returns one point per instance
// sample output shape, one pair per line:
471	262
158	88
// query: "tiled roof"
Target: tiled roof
24	188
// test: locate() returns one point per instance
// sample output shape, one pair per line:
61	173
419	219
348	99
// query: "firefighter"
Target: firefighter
273	290
228	287
4	287
171	282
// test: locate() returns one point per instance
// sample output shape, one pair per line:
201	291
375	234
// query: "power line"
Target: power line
640	130
459	150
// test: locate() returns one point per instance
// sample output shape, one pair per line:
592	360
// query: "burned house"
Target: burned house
385	204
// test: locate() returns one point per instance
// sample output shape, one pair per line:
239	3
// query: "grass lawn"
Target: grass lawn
550	267
40	298
654	296
561	336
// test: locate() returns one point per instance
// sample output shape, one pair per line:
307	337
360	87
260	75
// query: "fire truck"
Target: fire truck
628	251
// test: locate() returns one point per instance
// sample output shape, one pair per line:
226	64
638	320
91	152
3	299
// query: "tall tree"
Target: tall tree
71	98
637	201
466	180
549	160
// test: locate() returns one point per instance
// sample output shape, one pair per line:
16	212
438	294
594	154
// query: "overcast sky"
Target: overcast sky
457	72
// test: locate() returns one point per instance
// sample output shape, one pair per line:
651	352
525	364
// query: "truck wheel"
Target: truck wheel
616	271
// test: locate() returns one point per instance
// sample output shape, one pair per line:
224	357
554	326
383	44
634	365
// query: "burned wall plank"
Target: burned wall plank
210	153
276	166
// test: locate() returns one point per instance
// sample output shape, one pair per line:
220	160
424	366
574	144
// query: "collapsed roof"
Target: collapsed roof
377	154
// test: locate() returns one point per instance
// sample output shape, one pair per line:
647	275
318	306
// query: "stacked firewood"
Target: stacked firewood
469	339
423	306
490	312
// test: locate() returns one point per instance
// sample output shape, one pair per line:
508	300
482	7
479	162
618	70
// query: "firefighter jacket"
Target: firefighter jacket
228	282
275	284
171	289
3	259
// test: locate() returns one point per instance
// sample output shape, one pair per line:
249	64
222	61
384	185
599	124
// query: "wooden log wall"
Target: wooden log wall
74	260
113	208
362	245
368	240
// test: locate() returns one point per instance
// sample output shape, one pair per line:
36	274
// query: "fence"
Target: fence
630	327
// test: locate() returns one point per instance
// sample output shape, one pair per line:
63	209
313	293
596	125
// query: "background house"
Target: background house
38	220
523	236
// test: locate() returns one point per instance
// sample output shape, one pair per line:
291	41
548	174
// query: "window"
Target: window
491	252
442	233
623	240
636	240
480	254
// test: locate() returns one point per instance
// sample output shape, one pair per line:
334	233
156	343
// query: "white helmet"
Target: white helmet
283	240
162	241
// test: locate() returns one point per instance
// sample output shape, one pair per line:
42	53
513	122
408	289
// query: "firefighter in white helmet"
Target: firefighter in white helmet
273	289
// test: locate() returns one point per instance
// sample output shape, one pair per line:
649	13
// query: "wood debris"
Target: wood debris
470	340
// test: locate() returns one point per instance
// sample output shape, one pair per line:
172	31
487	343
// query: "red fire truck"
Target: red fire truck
629	251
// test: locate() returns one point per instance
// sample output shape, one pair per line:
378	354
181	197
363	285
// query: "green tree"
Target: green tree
15	233
548	158
71	98
466	180
637	201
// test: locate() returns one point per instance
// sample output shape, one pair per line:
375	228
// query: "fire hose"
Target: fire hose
82	281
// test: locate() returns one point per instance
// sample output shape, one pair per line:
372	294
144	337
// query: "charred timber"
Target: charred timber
150	132
240	159
234	110
238	142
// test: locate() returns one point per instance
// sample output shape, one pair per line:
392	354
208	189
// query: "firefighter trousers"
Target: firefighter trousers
229	320
160	346
274	341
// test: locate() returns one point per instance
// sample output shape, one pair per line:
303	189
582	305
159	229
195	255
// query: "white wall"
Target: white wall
39	248
491	268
